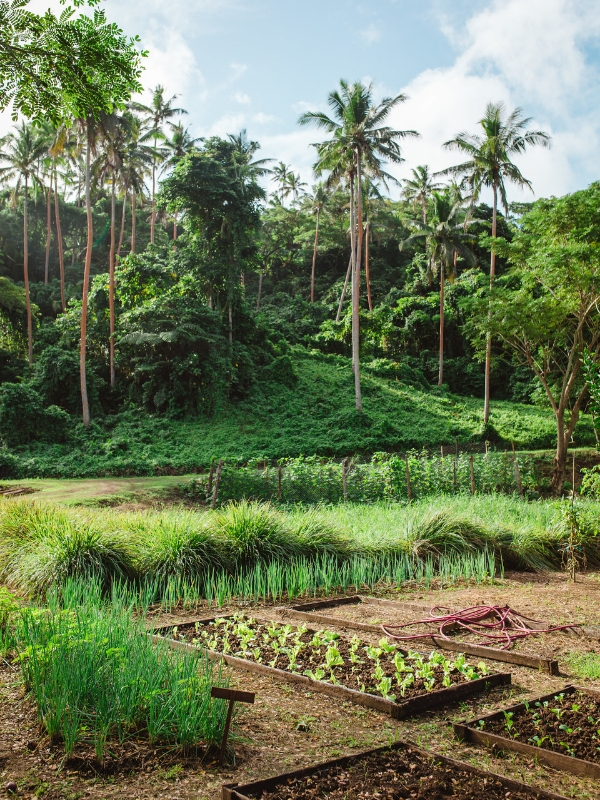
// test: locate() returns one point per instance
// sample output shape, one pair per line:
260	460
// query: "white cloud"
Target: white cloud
371	34
263	119
524	53
242	98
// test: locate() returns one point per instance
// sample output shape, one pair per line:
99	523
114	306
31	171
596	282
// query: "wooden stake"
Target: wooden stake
518	477
217	482
472	475
408	486
456	446
233	697
210	477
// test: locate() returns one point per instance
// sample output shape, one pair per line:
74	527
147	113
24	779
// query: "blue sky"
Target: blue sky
259	63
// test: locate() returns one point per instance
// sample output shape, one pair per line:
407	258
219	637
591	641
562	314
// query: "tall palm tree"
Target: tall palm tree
489	165
21	152
372	199
446	238
157	113
359	143
63	140
280	176
178	146
137	160
318	200
418	189
294	184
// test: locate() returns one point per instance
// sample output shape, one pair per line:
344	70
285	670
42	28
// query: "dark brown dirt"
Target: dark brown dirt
567	724
396	775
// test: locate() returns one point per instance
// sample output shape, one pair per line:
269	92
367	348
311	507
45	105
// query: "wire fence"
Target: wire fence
389	477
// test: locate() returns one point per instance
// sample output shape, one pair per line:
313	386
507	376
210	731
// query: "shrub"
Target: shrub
315	536
95	675
254	532
177	545
23	418
41	546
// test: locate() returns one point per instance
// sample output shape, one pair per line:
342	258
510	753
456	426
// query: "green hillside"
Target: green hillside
310	412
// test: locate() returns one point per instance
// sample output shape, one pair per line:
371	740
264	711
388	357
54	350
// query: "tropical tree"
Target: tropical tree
21	154
137	160
489	164
281	173
359	143
418	189
545	309
157	113
446	238
178	146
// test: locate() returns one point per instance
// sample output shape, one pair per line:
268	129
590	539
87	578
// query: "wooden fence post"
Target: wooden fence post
472	474
408	486
518	477
210	477
217	482
344	480
279	483
456	446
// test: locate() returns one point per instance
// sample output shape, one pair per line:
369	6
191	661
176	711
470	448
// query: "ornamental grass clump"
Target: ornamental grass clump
41	546
178	546
255	532
96	677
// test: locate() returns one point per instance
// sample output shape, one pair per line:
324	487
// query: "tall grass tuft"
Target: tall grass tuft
41	545
96	676
178	546
254	532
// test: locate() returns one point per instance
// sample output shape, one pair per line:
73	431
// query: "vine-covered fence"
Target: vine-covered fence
390	477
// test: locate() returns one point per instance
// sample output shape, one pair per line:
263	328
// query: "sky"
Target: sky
258	64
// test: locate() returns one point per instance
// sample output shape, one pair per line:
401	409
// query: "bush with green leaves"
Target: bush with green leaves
23	418
96	677
42	546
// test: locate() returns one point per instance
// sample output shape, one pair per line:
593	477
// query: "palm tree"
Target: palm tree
294	184
178	146
22	152
418	189
371	199
489	165
317	205
359	143
157	113
446	238
280	176
137	159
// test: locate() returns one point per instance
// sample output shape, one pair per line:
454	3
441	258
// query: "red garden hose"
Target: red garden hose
497	625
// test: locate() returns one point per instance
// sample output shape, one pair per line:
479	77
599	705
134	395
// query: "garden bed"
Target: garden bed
400	771
382	676
561	729
312	612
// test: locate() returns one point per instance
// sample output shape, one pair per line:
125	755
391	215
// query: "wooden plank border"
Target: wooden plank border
251	791
576	766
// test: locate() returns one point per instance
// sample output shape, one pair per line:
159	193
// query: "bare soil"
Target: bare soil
289	727
397	775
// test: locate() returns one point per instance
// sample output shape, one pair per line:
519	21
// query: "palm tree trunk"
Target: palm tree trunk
153	216
260	280
111	285
367	272
356	244
59	239
26	274
488	343
86	281
314	262
48	233
442	289
133	220
343	294
122	225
